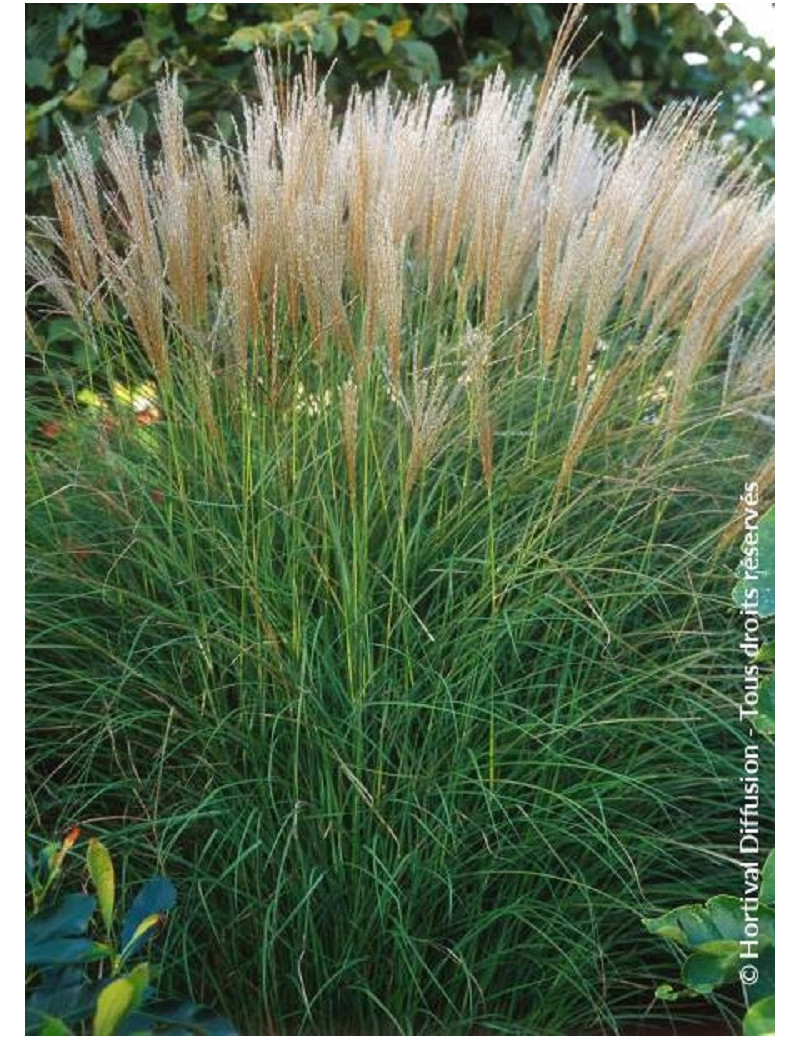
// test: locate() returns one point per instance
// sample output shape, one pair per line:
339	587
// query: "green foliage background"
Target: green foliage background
88	59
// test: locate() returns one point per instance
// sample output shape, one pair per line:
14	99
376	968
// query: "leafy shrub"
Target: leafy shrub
712	934
405	597
74	979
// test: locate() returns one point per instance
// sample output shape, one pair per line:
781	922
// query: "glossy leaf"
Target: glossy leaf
139	978
760	1018
176	1013
57	935
65	951
113	1004
143	931
64	993
156	897
101	871
713	964
722	917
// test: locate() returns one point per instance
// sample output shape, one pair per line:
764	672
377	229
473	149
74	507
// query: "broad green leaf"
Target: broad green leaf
85	97
196	13
101	871
435	20
139	978
423	56
70	916
539	21
383	37
722	917
402	28
714	964
113	1004
767	893
64	992
351	30
764	986
156	897
459	12
124	88
325	39
38	74
76	61
181	1013
627	30
246	39
98	16
760	1018
65	950
136	53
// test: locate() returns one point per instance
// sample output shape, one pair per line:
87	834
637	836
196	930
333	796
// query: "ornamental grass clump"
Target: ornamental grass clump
398	633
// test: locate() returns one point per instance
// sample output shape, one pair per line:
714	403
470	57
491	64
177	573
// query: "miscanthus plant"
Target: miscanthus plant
390	616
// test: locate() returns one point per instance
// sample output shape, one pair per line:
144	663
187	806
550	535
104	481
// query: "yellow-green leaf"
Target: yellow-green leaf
246	38
124	88
101	871
113	1004
402	28
150	922
90	399
760	1019
139	978
55	1027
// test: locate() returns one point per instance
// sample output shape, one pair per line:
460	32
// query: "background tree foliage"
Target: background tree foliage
88	59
